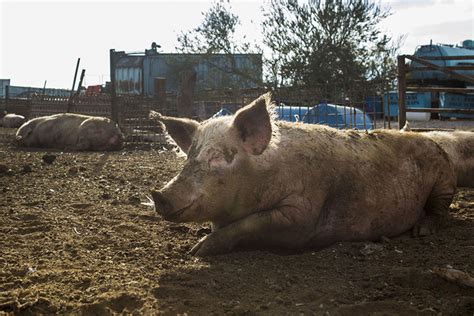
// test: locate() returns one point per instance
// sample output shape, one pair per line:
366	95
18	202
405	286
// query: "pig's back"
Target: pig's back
376	183
59	130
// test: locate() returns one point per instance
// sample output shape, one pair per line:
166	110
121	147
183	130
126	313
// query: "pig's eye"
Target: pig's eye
217	160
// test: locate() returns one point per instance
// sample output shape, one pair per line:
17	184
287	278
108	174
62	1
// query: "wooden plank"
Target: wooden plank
441	110
443	69
442	57
463	67
440	89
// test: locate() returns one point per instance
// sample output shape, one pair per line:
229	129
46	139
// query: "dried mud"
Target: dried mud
75	238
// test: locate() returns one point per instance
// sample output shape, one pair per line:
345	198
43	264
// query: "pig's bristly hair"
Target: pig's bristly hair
272	112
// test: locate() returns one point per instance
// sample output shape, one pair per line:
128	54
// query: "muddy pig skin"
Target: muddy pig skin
11	120
70	131
459	145
264	184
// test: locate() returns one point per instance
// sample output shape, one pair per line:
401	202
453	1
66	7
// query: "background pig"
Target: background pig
459	145
263	183
11	120
70	131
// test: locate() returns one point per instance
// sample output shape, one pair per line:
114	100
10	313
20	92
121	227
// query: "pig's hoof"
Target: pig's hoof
210	245
198	249
425	227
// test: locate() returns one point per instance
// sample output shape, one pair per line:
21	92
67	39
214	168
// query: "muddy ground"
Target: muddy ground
75	238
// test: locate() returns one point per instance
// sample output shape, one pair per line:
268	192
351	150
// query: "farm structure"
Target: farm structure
151	72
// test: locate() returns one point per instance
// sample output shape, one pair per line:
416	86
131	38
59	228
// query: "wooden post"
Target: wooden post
71	95
160	90
75	76
186	94
7	96
113	96
402	115
83	73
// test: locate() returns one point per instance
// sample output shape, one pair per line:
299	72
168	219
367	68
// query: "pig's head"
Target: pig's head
24	134
220	178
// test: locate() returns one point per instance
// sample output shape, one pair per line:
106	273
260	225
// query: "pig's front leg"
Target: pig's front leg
287	227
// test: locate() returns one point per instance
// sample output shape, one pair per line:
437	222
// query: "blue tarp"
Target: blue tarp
338	116
223	112
326	114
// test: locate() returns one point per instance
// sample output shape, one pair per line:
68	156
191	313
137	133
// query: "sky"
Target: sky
41	40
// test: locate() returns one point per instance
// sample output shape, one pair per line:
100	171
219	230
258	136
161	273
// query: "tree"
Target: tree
217	35
320	42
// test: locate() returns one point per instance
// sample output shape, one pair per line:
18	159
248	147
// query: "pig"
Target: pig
264	183
11	120
459	145
70	131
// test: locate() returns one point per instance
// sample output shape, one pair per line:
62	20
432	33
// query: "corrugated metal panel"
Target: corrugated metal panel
129	75
128	80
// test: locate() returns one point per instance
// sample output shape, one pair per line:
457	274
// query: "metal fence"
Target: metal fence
362	109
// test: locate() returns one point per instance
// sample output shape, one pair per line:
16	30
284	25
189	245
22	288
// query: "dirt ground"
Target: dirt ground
75	238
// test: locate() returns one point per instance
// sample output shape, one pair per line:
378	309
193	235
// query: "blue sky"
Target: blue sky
41	40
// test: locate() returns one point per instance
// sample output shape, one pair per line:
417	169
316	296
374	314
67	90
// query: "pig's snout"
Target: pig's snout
115	142
162	205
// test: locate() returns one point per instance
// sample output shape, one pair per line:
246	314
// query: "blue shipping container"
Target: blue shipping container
412	100
373	106
456	101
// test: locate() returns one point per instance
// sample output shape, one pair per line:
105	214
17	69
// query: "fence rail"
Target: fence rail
360	107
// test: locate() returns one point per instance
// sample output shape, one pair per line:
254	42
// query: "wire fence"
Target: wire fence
361	106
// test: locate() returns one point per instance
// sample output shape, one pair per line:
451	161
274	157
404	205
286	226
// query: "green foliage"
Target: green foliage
320	42
217	35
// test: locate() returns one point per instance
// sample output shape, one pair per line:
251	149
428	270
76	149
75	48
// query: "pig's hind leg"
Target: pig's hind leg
436	207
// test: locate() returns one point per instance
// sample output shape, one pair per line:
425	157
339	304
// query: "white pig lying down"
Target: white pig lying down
11	120
264	183
459	145
70	131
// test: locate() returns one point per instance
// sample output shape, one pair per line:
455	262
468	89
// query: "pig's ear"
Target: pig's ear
406	128
180	129
253	125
